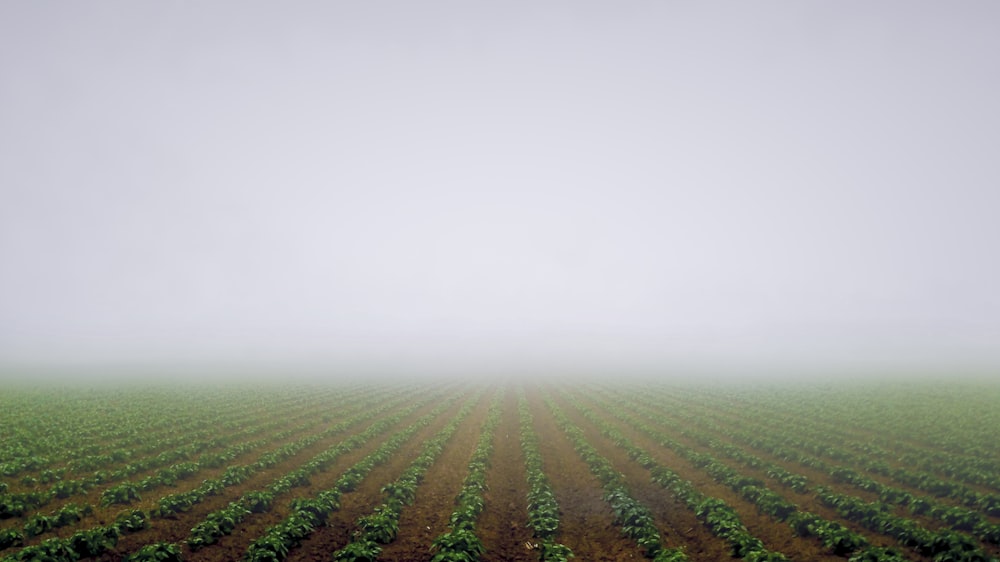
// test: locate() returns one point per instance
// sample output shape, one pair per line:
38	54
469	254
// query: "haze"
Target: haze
508	187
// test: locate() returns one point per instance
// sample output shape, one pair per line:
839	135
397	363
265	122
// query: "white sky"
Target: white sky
520	186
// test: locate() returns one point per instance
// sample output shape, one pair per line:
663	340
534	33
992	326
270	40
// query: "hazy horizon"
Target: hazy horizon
515	188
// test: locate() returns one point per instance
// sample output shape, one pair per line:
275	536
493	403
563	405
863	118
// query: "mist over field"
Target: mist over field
450	189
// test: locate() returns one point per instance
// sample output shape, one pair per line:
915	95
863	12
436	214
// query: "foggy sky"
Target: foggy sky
500	186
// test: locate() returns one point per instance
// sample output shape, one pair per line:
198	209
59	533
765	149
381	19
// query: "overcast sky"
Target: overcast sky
521	186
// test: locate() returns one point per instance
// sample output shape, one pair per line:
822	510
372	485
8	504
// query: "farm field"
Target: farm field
503	470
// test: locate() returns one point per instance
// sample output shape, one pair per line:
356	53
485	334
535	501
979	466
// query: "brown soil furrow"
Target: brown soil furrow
503	524
107	514
234	546
176	529
232	414
727	417
677	524
775	535
326	540
427	518
587	522
808	501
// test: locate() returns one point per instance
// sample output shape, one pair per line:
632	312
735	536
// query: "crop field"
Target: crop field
456	471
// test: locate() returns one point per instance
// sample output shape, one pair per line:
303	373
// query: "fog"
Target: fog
480	189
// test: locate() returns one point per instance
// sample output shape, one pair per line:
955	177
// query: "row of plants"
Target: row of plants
460	543
128	492
943	545
25	450
951	438
279	539
782	443
835	537
825	435
39	524
180	502
634	518
720	518
957	518
382	525
165	551
224	521
543	507
985	502
918	417
20	504
83	544
76	440
172	504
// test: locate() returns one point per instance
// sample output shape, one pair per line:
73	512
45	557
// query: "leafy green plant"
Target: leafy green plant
258	502
131	521
11	506
71	513
157	552
38	524
550	551
458	545
380	526
121	494
54	549
402	492
358	551
173	504
543	509
93	542
269	548
216	525
10	537
671	555
68	488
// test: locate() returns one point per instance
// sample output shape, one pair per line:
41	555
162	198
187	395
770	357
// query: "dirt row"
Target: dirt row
587	522
234	546
895	446
104	515
806	501
503	524
258	412
176	528
438	487
818	476
775	535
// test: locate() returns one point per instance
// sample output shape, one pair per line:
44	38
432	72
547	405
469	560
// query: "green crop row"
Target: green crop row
835	537
460	543
958	518
875	516
77	431
83	544
634	518
277	540
381	525
714	513
543	508
222	522
13	505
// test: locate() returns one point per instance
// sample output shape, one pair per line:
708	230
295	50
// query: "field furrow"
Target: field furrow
500	471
